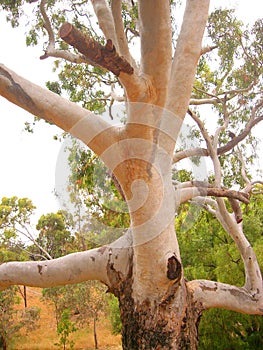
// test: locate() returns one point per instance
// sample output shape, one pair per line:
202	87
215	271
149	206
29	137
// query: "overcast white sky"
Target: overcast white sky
28	161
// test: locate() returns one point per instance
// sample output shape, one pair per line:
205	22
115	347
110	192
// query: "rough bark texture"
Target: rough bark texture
105	56
169	324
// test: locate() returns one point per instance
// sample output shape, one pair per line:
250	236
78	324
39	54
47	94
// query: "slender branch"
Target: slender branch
47	25
51	51
207	49
253	282
204	101
236	209
250	187
32	239
185	194
211	146
221	150
243	166
120	34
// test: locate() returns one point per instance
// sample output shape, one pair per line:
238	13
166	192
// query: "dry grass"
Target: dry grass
45	336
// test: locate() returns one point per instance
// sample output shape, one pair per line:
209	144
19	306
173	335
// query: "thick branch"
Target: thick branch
107	264
253	282
91	129
104	56
186	56
70	269
219	295
156	47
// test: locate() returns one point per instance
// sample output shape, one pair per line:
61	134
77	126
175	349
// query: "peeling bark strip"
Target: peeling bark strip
105	56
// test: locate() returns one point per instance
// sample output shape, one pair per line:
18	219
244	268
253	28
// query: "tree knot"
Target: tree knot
174	268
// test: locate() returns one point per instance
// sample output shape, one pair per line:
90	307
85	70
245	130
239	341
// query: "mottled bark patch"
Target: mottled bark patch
152	325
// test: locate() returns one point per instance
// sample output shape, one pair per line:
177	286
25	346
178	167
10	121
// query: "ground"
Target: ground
44	337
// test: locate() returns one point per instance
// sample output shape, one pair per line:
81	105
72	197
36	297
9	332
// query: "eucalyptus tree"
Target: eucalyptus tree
214	78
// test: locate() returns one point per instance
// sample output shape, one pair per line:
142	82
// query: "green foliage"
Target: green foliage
114	314
93	184
223	329
15	216
208	253
8	323
225	31
86	300
64	329
54	234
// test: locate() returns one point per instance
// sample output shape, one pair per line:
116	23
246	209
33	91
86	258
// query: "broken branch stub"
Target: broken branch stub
104	56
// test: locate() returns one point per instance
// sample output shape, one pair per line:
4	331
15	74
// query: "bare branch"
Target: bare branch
204	101
188	193
47	25
70	269
51	51
243	166
236	209
156	48
186	56
107	264
220	295
91	129
211	146
120	34
221	150
253	282
207	49
105	20
250	187
27	234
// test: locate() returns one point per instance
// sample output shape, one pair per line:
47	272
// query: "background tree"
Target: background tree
84	304
173	78
54	234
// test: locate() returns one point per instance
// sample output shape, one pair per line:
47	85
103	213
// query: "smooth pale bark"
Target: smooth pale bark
108	264
81	123
159	309
187	54
212	294
156	44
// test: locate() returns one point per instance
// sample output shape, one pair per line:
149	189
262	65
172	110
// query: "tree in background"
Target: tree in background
8	324
55	234
175	76
84	303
